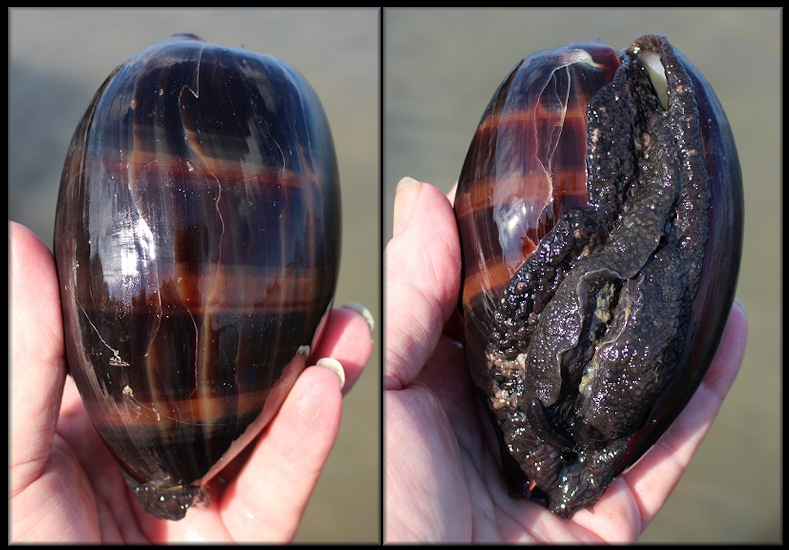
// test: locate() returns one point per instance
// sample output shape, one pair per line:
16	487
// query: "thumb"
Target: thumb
38	369
422	278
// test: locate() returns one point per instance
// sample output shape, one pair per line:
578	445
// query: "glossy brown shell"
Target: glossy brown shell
526	166
197	245
529	164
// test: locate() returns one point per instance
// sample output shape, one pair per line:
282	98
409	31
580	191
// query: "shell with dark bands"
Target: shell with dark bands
600	216
197	245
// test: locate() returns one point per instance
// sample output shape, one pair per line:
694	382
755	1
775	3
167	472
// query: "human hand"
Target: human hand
443	480
65	485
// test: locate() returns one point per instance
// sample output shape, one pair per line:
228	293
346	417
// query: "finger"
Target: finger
267	499
422	279
653	478
37	359
347	338
452	192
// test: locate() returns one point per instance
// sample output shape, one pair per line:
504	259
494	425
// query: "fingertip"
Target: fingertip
35	296
738	319
739	304
334	366
730	353
37	356
406	196
426	253
267	498
315	403
348	340
363	311
452	192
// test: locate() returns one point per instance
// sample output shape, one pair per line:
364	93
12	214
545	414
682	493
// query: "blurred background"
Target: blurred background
59	57
440	69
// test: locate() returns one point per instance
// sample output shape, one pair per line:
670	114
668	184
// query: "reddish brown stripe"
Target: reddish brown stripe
162	415
205	170
528	118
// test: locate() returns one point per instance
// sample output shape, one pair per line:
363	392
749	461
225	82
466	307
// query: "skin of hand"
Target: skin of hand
442	480
64	484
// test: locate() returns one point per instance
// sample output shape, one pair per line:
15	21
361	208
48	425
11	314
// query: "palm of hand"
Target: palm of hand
87	498
447	464
454	459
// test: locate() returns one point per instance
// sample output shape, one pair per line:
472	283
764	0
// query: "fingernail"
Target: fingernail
406	194
363	311
334	366
739	303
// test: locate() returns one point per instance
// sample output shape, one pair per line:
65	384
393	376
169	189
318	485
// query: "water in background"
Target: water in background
57	60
